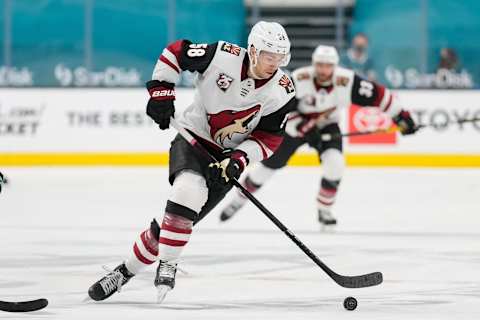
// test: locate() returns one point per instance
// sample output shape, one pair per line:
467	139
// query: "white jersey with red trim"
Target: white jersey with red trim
326	102
230	109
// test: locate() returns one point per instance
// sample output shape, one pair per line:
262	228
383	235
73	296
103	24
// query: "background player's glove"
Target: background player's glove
405	122
160	106
302	126
220	173
307	129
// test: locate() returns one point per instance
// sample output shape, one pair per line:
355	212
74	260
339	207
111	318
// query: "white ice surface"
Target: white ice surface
420	227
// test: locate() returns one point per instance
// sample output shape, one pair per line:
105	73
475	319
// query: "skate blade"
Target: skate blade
162	293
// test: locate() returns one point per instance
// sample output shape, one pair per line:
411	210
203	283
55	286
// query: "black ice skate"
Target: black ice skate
326	218
230	210
111	283
165	279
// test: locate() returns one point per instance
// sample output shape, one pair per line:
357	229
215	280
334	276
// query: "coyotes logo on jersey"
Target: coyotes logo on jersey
231	48
286	83
225	124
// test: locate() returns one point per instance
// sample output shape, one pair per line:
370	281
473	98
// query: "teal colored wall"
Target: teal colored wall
126	33
396	32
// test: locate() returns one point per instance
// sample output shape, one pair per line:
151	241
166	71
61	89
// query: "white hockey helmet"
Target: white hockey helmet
325	54
270	37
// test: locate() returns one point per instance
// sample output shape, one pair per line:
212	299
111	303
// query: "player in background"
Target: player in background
322	91
2	181
239	111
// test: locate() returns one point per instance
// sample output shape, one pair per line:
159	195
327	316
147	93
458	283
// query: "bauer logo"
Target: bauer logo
369	119
163	93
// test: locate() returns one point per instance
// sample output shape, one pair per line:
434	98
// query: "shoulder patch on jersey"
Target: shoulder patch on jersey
224	81
286	83
231	48
342	81
303	76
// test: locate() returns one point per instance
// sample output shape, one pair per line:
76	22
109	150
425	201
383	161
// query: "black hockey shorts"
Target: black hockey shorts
290	144
185	157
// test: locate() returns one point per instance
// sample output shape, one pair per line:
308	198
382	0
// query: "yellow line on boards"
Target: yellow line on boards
83	159
395	160
300	159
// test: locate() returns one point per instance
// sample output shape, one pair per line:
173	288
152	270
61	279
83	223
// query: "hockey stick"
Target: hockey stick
24	306
367	280
328	136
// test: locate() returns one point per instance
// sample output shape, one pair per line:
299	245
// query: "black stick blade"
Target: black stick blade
367	280
24	306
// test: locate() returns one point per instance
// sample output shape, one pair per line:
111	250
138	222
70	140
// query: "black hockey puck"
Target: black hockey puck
350	303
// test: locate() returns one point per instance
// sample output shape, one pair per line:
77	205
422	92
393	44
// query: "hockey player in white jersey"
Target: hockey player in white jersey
322	91
238	114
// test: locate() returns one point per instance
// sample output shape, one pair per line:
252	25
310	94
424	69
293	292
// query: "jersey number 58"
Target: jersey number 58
196	50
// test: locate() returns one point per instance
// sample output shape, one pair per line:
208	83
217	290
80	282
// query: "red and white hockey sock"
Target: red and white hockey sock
257	176
239	198
165	244
249	185
327	194
175	234
145	249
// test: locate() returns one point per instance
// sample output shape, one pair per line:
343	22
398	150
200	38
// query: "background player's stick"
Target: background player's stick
367	280
328	137
24	306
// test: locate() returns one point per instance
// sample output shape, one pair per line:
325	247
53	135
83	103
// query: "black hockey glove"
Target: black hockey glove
160	106
405	123
220	173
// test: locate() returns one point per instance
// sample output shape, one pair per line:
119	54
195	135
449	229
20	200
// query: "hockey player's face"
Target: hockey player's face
324	71
268	63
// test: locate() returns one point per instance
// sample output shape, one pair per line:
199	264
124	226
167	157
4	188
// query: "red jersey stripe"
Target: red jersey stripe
168	62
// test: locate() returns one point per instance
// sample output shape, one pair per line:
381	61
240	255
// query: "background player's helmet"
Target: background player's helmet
325	54
271	37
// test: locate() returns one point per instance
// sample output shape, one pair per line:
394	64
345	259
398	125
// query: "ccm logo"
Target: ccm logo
163	93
